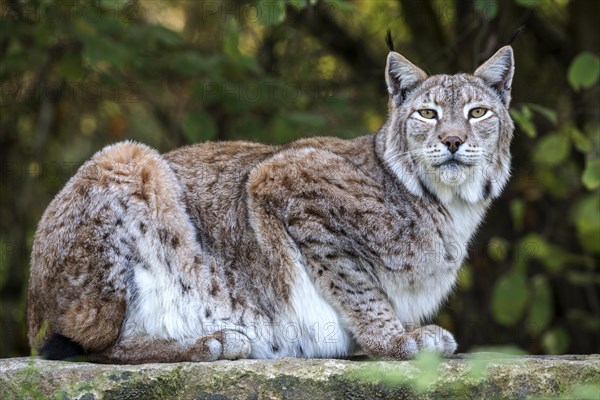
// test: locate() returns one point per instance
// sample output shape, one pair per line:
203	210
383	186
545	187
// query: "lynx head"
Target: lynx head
450	134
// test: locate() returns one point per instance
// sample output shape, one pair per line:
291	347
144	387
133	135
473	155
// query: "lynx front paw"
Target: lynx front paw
407	345
435	339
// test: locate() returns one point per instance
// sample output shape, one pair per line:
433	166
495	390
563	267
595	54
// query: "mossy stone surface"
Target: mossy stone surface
499	377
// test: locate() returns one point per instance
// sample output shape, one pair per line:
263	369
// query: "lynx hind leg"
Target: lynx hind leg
138	349
116	213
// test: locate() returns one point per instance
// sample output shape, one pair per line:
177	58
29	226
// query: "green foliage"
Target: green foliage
553	149
584	71
584	392
489	8
591	174
509	298
558	171
271	12
541	306
524	121
555	341
587	222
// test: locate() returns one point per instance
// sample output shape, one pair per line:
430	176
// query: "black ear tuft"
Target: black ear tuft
59	347
388	40
516	34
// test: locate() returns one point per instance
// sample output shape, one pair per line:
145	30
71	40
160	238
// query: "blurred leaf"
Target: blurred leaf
163	35
591	174
270	12
334	5
481	357
110	4
199	126
584	71
555	341
428	364
189	63
374	373
581	142
465	277
540	309
509	298
529	3
553	257
517	213
583	278
98	50
586	217
232	39
489	8
552	149
560	181
523	120
532	246
71	67
548	113
588	391
498	248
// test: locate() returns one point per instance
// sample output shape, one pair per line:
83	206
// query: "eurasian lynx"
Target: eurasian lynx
312	249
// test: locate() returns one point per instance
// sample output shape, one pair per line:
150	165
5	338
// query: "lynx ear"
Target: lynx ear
498	71
401	76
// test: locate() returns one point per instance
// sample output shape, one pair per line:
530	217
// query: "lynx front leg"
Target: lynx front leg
341	225
138	349
355	293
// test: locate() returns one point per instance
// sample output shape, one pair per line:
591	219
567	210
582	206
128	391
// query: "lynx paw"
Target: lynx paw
435	339
222	345
235	345
430	338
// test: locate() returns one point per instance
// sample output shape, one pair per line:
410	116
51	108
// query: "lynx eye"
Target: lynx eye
427	113
477	112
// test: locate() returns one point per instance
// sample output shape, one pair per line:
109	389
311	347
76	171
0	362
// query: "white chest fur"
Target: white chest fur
418	294
466	217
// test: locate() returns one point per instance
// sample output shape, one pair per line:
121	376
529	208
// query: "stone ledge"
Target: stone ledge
491	376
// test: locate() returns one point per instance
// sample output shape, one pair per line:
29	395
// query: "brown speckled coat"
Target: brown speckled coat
312	249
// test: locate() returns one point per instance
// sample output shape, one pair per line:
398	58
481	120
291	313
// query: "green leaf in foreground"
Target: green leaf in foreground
480	359
428	364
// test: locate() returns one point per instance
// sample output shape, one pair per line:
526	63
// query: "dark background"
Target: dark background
77	75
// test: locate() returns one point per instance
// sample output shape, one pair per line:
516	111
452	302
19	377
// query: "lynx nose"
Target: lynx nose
453	143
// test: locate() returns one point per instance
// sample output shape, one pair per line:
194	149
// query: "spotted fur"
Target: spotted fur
312	249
